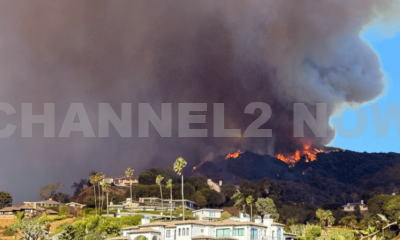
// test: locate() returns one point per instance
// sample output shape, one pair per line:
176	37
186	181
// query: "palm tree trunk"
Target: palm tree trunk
170	210
99	199
95	205
107	203
130	181
162	203
183	202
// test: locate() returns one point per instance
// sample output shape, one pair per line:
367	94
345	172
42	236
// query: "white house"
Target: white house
207	214
201	230
120	181
350	207
213	185
74	204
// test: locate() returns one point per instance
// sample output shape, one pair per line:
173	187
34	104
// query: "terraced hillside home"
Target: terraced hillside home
350	207
47	203
207	214
201	230
28	210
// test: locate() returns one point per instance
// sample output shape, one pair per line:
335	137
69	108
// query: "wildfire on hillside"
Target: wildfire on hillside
230	155
233	155
309	153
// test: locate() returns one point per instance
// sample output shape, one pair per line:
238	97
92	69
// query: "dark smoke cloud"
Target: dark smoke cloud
233	52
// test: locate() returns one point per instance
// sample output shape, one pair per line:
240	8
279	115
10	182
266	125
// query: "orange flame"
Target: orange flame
195	167
292	158
233	155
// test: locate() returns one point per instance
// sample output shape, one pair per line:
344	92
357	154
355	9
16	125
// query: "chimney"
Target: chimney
220	183
50	199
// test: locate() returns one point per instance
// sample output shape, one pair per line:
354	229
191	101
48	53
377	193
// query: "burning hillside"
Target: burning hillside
308	152
229	155
233	155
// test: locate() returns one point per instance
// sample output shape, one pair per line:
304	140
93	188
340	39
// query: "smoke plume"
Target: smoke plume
232	52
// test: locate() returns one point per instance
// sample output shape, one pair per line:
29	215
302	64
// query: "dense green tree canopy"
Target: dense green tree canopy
5	199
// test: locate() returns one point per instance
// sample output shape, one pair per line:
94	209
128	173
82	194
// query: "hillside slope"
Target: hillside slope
331	174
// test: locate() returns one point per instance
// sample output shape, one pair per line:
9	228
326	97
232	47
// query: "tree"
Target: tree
344	197
93	180
99	178
239	201
31	229
354	196
105	187
158	182
129	174
249	201
215	198
325	217
199	199
333	198
198	181
179	164
5	199
61	197
266	206
48	191
350	220
169	185
228	189
357	212
225	216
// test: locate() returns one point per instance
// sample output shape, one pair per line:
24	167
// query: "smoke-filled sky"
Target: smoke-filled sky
232	52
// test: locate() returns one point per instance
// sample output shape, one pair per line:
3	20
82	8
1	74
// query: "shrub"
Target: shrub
63	210
312	232
8	232
225	216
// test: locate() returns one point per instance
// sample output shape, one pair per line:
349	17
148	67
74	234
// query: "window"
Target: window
278	237
223	232
273	235
179	232
183	232
253	234
202	231
212	214
168	233
238	232
187	231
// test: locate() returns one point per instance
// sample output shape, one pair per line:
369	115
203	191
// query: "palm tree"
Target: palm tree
129	174
99	177
179	164
93	182
105	187
169	185
384	219
249	201
239	201
159	179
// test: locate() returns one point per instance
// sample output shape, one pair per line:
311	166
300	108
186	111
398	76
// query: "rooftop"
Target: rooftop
198	222
145	230
208	209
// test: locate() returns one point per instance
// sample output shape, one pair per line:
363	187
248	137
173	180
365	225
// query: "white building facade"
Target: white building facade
207	214
201	230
